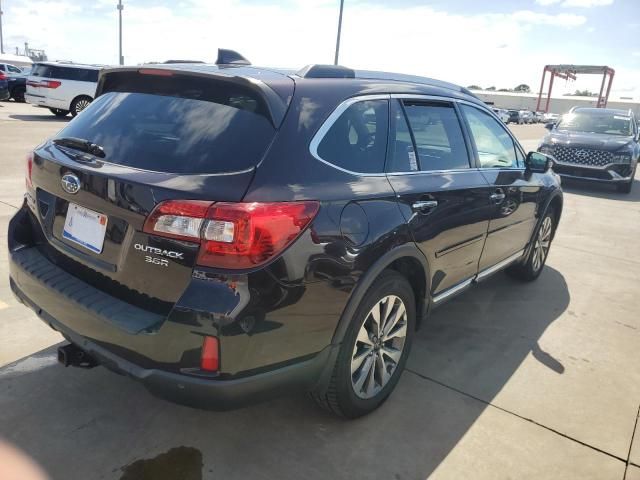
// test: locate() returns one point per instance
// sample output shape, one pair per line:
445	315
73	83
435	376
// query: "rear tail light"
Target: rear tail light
44	83
2	76
232	235
28	172
210	356
50	83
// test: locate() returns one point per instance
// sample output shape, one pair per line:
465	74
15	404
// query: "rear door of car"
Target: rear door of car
441	194
512	190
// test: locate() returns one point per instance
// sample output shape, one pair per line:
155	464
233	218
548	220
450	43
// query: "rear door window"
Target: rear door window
191	125
438	136
357	140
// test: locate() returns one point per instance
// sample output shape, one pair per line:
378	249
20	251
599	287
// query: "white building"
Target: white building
558	104
16	60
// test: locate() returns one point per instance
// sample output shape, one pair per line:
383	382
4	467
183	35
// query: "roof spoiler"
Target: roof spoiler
230	57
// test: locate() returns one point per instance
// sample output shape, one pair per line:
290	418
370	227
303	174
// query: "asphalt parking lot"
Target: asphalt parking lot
509	380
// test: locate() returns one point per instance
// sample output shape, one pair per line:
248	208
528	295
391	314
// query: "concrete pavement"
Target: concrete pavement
509	380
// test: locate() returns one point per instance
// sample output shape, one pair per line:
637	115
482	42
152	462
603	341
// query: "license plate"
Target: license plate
85	227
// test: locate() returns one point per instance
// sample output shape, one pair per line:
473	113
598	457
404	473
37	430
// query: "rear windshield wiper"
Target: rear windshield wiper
80	144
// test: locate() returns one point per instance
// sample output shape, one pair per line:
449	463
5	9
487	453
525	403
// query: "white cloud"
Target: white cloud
586	3
576	3
485	49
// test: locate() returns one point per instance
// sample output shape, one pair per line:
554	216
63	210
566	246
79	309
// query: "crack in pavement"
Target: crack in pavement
629	462
8	204
530	420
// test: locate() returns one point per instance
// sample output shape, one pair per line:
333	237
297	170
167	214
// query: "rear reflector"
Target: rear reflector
210	358
29	171
232	235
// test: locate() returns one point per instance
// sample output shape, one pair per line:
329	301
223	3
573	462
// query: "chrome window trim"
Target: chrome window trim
328	123
339	110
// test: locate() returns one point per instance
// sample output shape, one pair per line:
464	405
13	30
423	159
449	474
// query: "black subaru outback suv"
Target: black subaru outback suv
224	233
595	144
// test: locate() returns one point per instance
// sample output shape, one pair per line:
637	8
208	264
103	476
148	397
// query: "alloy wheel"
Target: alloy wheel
543	242
379	346
81	105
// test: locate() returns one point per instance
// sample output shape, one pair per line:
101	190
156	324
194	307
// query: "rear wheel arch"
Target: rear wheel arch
405	259
555	204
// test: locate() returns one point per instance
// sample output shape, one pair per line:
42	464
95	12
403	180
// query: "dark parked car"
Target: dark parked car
17	86
4	87
225	234
595	144
515	117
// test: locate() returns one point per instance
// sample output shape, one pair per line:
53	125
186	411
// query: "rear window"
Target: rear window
200	126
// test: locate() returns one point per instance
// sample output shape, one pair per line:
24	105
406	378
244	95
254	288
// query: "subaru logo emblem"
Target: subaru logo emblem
70	183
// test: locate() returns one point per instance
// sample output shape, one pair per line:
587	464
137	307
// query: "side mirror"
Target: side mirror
549	126
538	162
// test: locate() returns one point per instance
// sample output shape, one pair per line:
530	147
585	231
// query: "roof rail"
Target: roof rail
230	57
326	71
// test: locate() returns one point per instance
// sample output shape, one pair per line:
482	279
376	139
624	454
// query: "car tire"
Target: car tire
531	268
18	94
79	104
368	367
627	186
58	112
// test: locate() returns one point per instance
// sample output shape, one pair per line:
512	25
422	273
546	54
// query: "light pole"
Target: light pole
120	7
335	61
1	39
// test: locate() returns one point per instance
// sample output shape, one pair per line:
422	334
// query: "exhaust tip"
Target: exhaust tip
71	355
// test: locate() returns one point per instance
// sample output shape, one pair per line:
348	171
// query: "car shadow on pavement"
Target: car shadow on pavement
39	118
95	424
600	190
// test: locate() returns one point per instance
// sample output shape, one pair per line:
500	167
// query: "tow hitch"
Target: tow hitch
71	355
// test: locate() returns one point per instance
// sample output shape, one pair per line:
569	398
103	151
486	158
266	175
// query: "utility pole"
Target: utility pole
1	39
335	61
120	7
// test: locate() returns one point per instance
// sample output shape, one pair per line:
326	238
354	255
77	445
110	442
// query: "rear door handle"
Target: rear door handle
498	196
424	206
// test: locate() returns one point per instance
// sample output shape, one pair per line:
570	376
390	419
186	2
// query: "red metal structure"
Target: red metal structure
569	72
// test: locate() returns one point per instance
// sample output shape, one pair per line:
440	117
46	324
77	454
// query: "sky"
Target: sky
480	42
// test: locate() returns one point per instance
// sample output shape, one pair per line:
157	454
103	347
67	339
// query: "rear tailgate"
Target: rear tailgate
192	139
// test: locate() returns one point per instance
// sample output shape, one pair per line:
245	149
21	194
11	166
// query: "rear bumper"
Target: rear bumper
162	353
199	392
4	93
43	101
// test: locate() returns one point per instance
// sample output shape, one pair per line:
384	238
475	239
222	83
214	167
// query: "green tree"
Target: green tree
474	87
522	88
491	89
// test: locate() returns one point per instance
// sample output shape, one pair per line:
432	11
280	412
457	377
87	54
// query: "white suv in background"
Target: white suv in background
62	87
